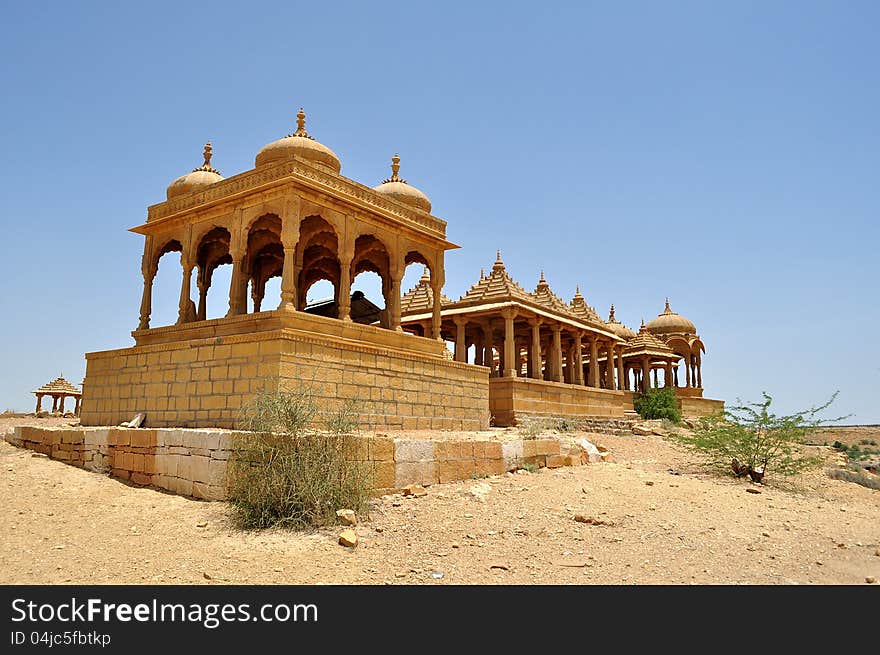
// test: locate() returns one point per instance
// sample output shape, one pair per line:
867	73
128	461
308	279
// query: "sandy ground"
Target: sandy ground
668	522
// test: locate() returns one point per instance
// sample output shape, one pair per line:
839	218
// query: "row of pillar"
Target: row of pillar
560	367
57	403
290	300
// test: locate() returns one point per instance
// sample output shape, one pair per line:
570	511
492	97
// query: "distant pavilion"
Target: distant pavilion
59	389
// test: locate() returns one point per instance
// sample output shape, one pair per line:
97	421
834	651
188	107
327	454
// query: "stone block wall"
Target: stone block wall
192	462
203	382
514	398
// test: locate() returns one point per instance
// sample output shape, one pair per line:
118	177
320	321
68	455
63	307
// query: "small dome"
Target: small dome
201	177
299	144
671	323
398	189
619	328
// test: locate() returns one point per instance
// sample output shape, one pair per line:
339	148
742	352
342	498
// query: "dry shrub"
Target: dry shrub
285	472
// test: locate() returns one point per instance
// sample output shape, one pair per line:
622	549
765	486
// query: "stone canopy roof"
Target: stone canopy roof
645	343
421	297
58	386
498	286
546	297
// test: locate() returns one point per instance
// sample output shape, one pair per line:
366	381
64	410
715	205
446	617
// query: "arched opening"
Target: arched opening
211	253
370	257
166	285
264	260
318	256
367	300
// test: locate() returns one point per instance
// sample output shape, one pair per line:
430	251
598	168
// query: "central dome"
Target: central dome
299	144
398	189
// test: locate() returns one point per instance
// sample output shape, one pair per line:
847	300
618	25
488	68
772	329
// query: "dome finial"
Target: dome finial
611	318
208	153
426	277
667	310
301	126
395	170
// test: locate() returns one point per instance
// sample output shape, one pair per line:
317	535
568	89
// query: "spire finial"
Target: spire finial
577	289
499	265
426	277
482	273
611	318
208	153
542	277
667	310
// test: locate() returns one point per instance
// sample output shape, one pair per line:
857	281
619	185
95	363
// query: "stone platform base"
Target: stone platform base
511	399
200	374
192	462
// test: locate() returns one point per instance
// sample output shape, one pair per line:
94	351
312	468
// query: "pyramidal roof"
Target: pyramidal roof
58	386
583	310
498	286
647	344
544	295
421	297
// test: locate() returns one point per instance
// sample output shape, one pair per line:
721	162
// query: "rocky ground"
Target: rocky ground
650	517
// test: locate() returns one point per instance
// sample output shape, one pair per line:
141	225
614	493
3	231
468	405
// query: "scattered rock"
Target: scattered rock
39	455
500	567
643	430
348	538
752	490
437	575
415	490
877	553
480	491
590	450
870	579
765	534
660	432
206	576
649	483
589	520
346	516
202	524
608	457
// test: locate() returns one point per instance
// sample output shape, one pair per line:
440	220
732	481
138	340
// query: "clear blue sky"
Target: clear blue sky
722	154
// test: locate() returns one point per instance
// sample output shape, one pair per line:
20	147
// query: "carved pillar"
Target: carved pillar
675	374
479	348
667	382
344	291
535	350
54	404
594	361
687	370
460	345
510	358
699	372
489	343
202	285
235	307
76	405
609	366
621	378
289	273
183	308
436	288
557	353
646	373
149	273
257	292
394	308
39	403
578	359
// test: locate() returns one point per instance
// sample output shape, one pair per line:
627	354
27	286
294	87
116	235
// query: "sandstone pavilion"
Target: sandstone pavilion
296	217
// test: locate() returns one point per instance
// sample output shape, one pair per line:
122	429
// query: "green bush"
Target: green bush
747	439
284	472
658	403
